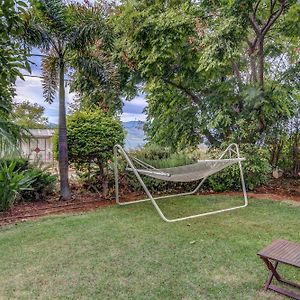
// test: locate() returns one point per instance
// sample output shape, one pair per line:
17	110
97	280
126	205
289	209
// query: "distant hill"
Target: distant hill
135	134
52	125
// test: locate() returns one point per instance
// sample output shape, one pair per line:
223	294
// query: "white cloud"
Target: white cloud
31	90
125	117
137	101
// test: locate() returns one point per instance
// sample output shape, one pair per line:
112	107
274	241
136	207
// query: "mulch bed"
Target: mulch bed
278	190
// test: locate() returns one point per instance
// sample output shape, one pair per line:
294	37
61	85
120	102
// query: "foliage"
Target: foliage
164	157
91	137
256	170
41	187
20	163
12	182
217	69
42	183
30	115
12	60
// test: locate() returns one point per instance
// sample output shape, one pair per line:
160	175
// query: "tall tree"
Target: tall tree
30	115
62	32
215	69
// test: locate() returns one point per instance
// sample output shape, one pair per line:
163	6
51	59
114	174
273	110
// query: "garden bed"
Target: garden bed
278	190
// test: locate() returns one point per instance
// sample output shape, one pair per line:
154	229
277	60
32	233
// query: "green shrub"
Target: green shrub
91	137
39	188
12	182
20	163
256	171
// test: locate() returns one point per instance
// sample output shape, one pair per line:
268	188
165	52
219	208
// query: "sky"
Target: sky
31	90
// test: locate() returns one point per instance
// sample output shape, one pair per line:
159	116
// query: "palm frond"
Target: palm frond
95	68
50	76
56	14
90	27
34	34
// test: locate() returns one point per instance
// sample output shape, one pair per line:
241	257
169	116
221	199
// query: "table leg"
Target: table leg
271	275
272	268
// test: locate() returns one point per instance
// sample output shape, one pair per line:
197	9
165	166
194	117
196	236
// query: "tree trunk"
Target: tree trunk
261	62
276	152
253	75
296	152
65	193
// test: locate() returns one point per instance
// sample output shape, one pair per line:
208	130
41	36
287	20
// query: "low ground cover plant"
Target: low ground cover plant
12	182
256	169
41	187
20	180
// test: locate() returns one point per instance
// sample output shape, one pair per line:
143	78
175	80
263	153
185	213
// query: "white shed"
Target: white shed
39	146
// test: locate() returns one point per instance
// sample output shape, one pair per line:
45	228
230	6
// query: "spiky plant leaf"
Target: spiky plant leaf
55	13
90	24
50	67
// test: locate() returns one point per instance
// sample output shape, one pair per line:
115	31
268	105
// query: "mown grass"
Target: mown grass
129	253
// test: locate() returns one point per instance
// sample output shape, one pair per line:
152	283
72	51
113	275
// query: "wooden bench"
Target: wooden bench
281	251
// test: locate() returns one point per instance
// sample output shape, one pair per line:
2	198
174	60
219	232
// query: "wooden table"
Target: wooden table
281	251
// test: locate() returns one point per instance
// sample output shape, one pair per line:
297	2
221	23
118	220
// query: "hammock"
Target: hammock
187	173
190	172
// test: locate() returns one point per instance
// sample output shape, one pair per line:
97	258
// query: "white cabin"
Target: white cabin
39	146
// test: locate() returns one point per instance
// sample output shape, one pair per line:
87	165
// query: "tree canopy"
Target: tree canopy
30	115
222	69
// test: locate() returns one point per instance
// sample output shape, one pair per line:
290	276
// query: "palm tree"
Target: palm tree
63	32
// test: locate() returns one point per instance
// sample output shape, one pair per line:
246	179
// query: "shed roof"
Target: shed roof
44	133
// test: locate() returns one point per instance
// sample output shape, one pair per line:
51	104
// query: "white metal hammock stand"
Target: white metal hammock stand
182	174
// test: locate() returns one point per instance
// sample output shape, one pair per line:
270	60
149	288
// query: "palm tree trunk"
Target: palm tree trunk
65	193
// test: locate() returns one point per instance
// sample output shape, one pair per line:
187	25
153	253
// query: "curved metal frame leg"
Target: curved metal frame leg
229	150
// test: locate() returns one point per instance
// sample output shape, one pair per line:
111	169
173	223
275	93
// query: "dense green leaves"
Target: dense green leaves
217	68
29	115
12	182
12	60
91	136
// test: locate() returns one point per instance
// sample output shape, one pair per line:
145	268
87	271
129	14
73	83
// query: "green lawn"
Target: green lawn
130	253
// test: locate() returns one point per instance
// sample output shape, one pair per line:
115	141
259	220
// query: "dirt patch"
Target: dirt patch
31	210
82	202
283	186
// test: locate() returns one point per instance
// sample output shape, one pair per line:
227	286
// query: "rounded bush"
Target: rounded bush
91	137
